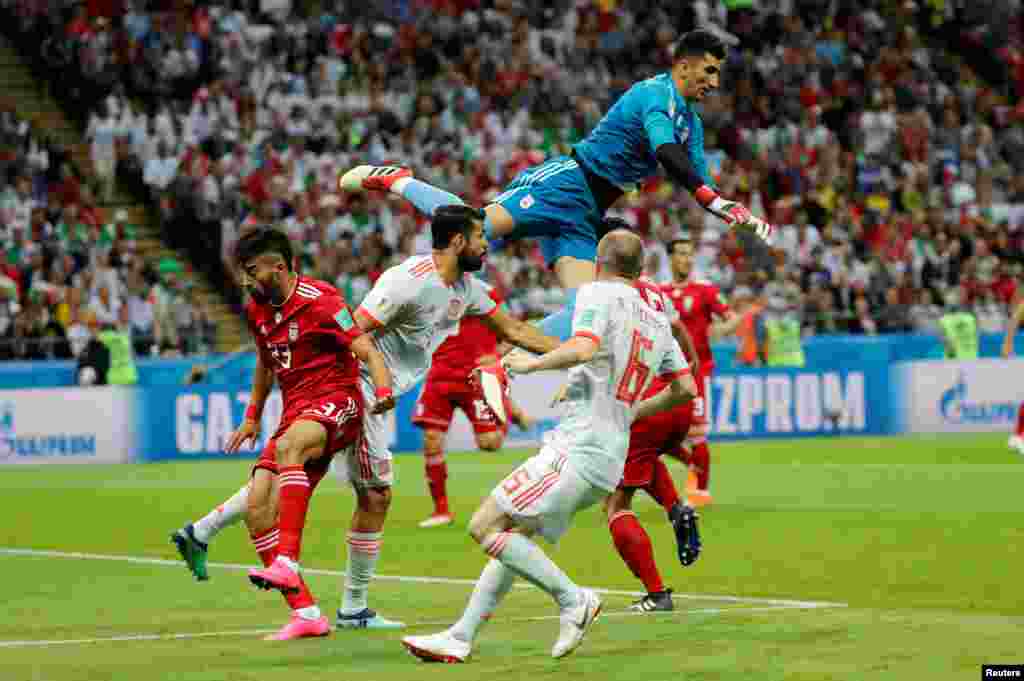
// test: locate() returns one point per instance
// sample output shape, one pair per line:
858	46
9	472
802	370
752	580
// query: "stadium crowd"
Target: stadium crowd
70	268
891	171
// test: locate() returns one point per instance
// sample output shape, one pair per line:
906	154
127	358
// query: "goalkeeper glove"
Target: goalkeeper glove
733	213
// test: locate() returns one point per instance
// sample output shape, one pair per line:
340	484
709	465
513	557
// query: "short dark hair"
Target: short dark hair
622	251
451	220
671	245
697	44
260	241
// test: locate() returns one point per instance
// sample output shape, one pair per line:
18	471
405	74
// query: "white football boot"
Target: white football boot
575	623
440	647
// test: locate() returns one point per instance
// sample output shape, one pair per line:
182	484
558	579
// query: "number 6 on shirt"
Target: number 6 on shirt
634	379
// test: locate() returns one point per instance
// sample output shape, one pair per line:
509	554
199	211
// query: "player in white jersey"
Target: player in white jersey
619	343
412	309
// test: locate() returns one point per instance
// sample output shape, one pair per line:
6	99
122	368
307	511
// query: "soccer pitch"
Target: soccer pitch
881	558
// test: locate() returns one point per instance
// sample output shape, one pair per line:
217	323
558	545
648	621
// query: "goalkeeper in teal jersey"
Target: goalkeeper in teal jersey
563	200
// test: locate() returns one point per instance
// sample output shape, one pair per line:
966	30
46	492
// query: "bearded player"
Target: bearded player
619	344
698	303
307	339
563	201
411	310
450	386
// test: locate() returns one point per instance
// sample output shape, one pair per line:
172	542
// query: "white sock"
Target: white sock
363	552
289	563
494	582
225	515
526	559
309	613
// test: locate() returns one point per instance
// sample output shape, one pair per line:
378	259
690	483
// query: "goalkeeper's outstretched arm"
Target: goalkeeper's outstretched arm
675	158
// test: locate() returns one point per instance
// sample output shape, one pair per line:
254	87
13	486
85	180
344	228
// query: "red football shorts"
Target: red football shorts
341	414
649	438
440	397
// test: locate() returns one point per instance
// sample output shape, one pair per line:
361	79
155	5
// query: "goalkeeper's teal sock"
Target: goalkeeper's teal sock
426	197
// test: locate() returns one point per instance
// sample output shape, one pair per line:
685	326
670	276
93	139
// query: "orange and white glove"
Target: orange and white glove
732	213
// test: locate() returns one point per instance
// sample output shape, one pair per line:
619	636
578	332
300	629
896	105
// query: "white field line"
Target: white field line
145	560
260	632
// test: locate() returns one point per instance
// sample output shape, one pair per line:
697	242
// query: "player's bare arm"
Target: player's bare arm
575	351
367	353
1011	330
519	333
730	322
249	431
681	390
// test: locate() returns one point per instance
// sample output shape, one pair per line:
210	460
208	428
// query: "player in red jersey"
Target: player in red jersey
649	438
698	304
307	339
448	386
1016	441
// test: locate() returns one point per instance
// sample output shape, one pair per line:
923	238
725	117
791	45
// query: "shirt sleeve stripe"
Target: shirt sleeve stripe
363	311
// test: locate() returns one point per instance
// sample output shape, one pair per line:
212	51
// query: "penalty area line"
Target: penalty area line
244	633
147	560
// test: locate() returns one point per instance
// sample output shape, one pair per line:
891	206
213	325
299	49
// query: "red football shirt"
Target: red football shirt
698	303
306	341
457	356
654	296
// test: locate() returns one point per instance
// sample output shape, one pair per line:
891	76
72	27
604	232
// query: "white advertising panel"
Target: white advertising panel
950	397
67	425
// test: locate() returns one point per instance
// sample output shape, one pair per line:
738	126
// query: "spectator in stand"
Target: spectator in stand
141	316
863	322
894	316
897	193
102	134
925	313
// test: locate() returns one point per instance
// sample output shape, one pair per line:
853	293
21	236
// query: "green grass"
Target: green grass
920	537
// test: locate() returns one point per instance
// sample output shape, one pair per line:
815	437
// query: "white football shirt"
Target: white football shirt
636	344
417	311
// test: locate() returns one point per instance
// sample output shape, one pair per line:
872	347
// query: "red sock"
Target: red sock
266	546
663	488
1020	420
437	476
635	548
701	462
293	504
